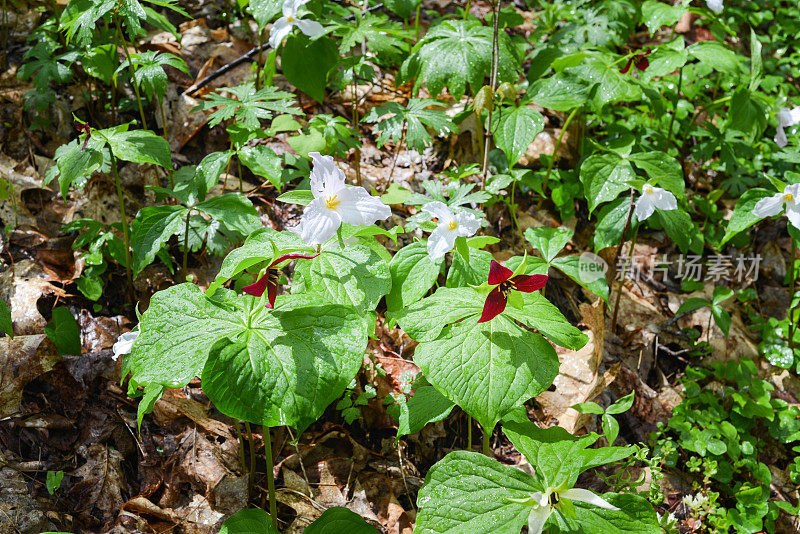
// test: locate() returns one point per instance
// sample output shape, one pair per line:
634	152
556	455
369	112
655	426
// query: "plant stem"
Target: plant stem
166	136
495	53
487	450
558	146
613	266
793	273
296	444
242	461
622	282
186	248
126	231
397	151
124	45
251	475
260	60
469	431
273	503
674	111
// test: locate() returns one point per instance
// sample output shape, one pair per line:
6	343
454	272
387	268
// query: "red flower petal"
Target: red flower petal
528	283
498	274
258	287
285	257
642	63
272	290
494	305
627	67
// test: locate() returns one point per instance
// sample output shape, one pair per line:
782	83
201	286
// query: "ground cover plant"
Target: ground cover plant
401	266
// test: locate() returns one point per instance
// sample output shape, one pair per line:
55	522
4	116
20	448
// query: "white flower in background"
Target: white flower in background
283	26
546	503
451	226
335	203
789	199
786	118
715	5
125	343
652	198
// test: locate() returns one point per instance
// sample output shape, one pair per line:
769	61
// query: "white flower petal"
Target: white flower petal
441	241
793	213
715	5
767	207
644	207
468	224
124	344
280	29
439	210
537	518
356	206
584	495
311	28
794	115
788	117
326	178
780	137
664	199
318	223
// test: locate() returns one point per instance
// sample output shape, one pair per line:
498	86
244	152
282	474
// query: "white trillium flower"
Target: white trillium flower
715	5
652	198
124	343
547	502
283	26
451	226
789	199
786	118
335	203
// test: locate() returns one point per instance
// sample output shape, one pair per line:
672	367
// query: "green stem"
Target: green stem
793	272
166	136
186	247
273	503
675	111
124	45
469	431
622	282
242	461
554	157
495	53
126	231
613	267
487	434
251	475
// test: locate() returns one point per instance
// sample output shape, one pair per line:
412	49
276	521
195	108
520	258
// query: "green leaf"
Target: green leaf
692	304
152	228
517	128
426	406
355	275
149	73
469	271
743	216
657	14
208	171
610	223
247	106
288	364
152	392
604	177
488	368
756	63
563	91
747	115
53	481
588	407
721	318
75	164
263	161
298	196
338	520
101	62
63	330
402	8
571	266
610	428
549	241
255	521
721	294
610	85
413	274
457	53
715	55
622	405
306	63
80	17
264	11
392	120
663	171
6	326
678	226
467	492
233	210
139	146
635	516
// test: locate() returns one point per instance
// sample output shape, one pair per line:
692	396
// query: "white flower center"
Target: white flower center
649	190
332	201
290	19
788	197
452	225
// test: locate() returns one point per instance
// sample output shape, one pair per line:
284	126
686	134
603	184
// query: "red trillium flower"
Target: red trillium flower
83	128
639	60
269	282
505	282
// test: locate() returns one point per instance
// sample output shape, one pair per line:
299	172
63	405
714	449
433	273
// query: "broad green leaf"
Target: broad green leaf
6	325
471	271
353	275
604	177
678	226
426	406
208	171
101	62
657	14
622	405
338	520
288	364
662	170
140	146
665	60
246	105
264	11
549	241
261	246
721	318
254	521
721	294
469	493
306	63
152	392
63	330
542	315
756	63
562	92
152	228
571	266
457	53
263	161
635	516
393	120
298	196
489	368
80	18
715	56
610	85
610	222
76	164
747	115
413	274
692	304
743	217
517	128
234	210
402	8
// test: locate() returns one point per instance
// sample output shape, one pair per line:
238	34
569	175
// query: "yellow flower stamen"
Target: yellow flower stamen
289	19
332	201
788	197
649	190
452	226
